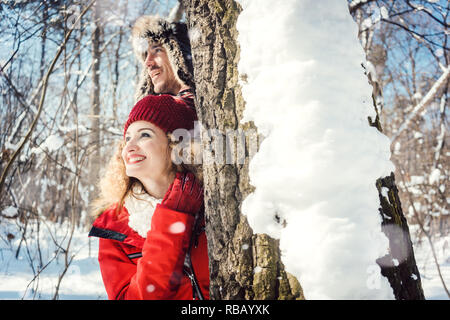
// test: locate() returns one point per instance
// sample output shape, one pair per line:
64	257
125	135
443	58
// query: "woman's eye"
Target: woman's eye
127	139
145	135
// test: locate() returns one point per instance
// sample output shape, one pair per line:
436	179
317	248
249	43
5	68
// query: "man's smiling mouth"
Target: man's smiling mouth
155	74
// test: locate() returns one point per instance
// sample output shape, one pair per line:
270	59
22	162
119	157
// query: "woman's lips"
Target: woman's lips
135	159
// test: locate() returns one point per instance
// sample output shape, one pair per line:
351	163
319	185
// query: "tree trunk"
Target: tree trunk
243	265
399	265
94	139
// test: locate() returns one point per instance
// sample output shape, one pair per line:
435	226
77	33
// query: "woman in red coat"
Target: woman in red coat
152	240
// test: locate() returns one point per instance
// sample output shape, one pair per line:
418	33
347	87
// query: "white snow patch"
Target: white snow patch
177	227
140	44
52	143
384	192
10	211
395	261
194	35
434	176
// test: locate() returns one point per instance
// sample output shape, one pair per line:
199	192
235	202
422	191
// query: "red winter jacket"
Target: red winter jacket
134	268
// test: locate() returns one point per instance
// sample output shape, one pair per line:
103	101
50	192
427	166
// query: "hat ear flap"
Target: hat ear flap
144	87
181	48
176	60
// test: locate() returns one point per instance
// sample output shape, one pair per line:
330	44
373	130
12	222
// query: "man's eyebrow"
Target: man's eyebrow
154	46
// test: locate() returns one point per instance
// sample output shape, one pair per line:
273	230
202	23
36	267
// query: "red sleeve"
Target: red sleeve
160	270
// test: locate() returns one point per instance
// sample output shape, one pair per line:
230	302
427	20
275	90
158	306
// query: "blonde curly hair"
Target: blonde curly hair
114	186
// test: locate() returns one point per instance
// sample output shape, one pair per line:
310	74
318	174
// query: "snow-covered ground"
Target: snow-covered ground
83	279
431	282
17	278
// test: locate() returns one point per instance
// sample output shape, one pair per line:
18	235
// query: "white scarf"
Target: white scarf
140	206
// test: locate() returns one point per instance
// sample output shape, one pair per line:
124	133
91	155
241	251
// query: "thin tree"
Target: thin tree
94	144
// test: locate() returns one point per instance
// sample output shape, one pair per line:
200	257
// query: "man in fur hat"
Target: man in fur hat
164	50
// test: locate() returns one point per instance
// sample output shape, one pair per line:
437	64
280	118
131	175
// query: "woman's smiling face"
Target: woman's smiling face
146	153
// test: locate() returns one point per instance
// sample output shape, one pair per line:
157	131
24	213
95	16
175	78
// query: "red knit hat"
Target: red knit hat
164	111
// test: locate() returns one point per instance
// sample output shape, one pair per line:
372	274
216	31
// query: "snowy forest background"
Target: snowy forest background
45	190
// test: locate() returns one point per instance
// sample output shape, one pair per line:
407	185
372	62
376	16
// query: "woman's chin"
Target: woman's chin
133	174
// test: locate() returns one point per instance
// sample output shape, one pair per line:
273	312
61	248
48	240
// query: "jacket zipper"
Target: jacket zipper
188	270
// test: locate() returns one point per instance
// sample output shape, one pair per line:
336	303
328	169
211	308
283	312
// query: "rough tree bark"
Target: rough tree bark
234	250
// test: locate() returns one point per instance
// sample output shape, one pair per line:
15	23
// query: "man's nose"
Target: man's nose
150	60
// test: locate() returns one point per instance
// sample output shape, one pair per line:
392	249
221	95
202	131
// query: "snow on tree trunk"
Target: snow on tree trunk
243	265
316	169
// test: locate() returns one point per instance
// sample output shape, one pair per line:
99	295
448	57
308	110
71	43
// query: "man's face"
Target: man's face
160	70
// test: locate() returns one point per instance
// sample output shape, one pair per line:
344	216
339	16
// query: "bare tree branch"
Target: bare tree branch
421	9
41	103
423	103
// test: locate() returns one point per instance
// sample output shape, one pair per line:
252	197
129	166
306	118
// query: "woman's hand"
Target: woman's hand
185	194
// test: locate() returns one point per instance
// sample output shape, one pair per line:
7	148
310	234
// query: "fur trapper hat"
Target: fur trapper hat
174	39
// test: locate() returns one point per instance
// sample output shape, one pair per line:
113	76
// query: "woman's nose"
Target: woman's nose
130	146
